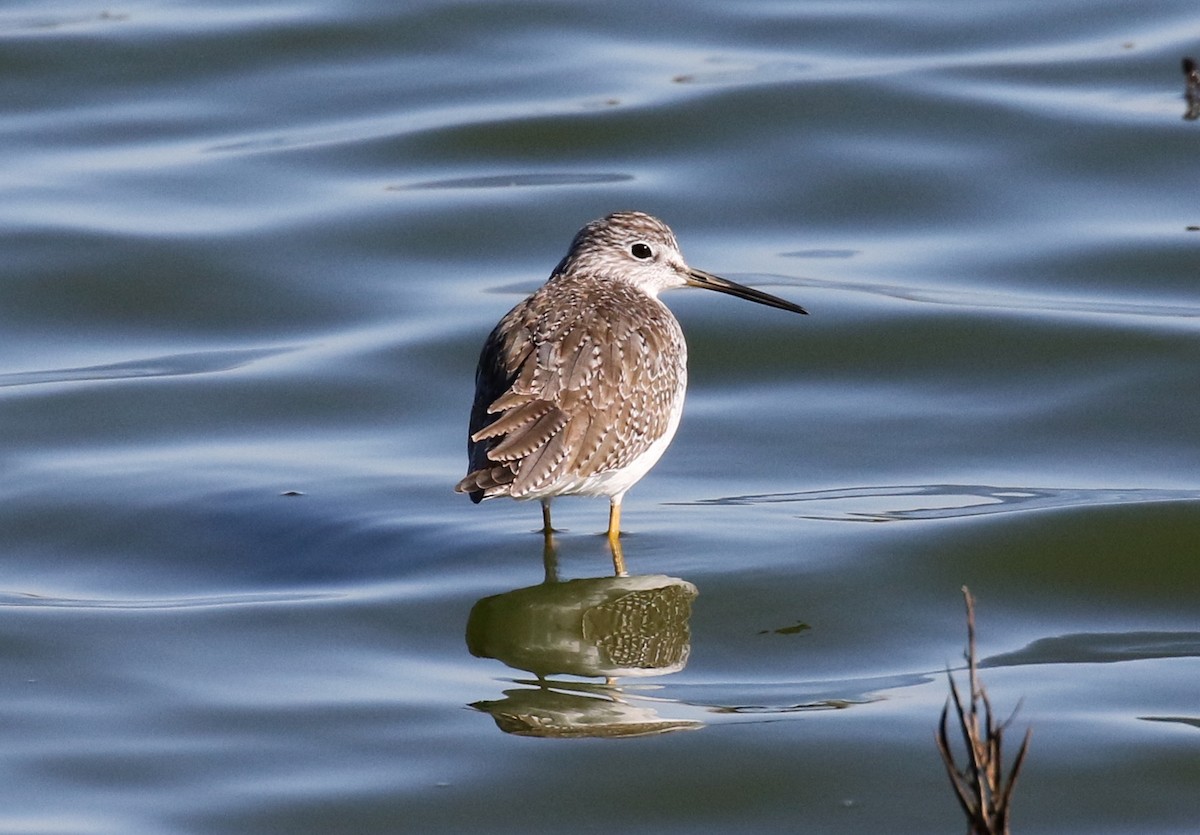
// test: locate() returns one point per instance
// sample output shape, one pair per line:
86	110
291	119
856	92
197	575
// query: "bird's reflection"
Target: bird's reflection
599	627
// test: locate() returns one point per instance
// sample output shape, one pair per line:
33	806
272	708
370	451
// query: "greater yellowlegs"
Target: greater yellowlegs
580	387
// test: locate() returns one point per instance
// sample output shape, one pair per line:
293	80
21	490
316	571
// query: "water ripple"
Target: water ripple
171	365
28	600
515	180
947	501
983	299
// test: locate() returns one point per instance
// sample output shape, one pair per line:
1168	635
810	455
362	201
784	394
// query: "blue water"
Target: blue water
248	254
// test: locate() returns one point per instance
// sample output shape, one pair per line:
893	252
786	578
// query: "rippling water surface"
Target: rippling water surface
249	253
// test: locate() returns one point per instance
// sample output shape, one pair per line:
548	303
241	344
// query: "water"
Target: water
250	252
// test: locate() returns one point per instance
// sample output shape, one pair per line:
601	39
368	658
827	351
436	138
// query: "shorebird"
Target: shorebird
580	387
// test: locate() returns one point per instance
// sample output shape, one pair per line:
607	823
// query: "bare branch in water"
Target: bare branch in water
983	789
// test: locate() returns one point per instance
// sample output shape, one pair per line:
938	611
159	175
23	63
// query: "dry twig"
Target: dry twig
984	791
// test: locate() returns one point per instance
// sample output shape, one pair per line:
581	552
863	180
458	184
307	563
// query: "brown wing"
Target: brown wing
577	380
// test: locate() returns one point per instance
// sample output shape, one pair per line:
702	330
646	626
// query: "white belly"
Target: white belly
615	482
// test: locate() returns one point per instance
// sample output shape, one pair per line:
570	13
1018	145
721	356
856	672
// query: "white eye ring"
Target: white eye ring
641	251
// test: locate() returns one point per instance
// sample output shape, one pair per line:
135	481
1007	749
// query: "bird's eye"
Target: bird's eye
641	251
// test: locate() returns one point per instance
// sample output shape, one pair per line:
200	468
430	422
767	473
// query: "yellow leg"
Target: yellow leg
546	527
614	539
614	522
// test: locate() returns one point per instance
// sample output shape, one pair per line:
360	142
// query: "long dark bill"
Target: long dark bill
699	278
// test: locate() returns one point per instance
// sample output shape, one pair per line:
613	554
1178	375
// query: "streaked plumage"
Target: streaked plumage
580	387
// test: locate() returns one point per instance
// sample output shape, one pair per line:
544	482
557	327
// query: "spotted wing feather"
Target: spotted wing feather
576	381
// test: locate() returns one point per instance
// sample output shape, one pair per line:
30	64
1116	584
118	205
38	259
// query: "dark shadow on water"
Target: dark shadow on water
1100	648
1191	92
1182	720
